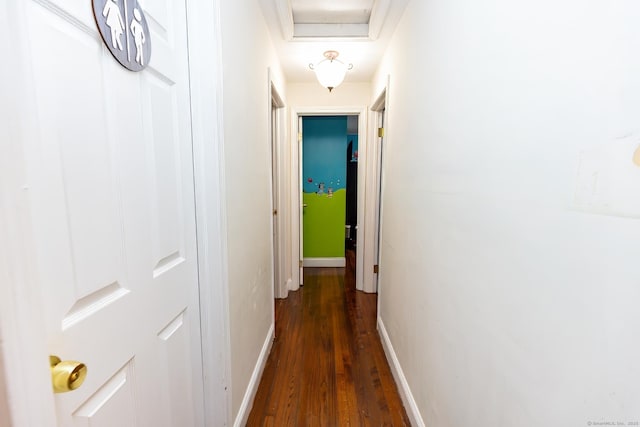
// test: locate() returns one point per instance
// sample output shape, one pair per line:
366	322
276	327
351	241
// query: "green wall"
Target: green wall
323	222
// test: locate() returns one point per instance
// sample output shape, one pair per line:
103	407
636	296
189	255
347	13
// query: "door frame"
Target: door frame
277	140
204	34
296	184
373	216
25	387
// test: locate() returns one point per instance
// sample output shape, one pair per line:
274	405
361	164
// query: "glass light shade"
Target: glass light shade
330	73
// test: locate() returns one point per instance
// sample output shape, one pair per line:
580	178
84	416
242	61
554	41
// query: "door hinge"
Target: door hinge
300	263
299	136
380	132
376	269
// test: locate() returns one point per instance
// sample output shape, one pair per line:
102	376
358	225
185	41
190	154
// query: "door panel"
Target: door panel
112	404
111	185
168	242
173	340
83	253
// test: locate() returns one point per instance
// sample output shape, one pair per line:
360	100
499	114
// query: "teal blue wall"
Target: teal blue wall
324	153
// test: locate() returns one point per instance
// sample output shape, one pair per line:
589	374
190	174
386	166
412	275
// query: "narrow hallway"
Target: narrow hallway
327	366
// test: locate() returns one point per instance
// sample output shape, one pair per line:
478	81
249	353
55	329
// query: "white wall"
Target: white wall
509	279
247	53
314	95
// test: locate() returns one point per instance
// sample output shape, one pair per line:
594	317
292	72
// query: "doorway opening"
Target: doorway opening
329	189
353	131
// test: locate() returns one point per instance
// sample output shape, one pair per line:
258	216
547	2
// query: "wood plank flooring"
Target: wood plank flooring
327	366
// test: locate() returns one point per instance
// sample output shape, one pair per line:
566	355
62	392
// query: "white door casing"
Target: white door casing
296	185
111	206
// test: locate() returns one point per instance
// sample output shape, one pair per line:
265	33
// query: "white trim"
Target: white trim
348	31
285	17
401	381
361	112
254	382
324	262
205	76
378	17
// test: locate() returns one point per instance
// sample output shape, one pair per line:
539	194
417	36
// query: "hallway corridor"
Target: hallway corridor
327	366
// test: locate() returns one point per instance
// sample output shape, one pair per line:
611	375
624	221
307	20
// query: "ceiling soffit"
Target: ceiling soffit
337	19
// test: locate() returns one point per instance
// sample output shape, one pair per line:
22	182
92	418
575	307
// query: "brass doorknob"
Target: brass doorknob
67	375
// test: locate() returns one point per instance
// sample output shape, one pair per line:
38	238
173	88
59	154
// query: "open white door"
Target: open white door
110	181
275	195
378	198
373	210
280	286
300	196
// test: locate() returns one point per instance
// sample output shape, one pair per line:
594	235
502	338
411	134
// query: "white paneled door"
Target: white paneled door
110	178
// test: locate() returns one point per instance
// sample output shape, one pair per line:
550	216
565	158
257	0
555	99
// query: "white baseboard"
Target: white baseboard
324	262
254	382
403	386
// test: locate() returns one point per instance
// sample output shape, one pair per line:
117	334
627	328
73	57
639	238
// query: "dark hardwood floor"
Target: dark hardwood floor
327	366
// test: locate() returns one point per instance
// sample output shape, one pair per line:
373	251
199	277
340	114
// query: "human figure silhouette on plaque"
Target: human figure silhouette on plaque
138	35
114	21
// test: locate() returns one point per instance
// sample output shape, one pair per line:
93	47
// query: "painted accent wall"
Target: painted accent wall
324	170
509	279
247	154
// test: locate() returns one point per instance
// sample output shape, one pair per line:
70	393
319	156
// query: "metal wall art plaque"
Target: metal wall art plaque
124	30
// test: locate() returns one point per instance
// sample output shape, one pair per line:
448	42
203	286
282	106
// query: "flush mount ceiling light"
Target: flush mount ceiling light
330	71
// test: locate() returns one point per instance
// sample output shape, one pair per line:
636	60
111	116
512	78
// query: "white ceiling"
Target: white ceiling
302	30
